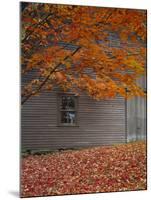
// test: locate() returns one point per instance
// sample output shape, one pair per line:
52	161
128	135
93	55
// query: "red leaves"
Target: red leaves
99	169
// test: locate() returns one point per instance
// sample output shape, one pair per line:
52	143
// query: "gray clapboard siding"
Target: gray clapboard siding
136	119
136	115
99	123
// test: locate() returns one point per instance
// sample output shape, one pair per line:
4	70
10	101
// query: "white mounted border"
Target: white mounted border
9	106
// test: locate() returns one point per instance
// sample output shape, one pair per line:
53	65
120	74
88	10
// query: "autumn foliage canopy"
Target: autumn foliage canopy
71	47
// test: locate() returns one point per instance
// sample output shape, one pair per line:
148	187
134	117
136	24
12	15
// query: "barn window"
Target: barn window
67	110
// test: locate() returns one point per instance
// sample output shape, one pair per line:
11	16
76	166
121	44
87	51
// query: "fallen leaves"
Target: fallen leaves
98	169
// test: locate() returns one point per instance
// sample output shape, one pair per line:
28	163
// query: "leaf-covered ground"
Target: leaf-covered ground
100	169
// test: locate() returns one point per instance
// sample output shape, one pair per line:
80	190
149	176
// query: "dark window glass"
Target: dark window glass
68	117
68	102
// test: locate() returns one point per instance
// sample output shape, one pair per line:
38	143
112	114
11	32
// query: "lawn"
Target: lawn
100	169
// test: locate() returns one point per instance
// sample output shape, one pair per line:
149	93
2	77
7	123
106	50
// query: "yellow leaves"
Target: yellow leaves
133	38
35	81
84	42
47	58
111	94
46	7
49	87
143	51
60	76
135	65
34	60
122	91
66	63
141	92
101	86
30	87
123	35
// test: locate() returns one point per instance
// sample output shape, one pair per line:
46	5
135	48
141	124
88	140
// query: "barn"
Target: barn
57	120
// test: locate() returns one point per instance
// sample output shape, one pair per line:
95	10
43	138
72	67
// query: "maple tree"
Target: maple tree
70	47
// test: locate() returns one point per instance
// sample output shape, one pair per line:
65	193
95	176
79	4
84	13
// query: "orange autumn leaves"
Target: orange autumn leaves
98	169
61	42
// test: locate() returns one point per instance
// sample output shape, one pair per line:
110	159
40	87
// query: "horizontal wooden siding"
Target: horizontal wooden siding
99	123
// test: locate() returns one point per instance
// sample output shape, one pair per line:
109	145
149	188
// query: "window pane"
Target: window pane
68	117
68	102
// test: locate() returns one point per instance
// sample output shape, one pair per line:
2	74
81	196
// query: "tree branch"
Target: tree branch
47	78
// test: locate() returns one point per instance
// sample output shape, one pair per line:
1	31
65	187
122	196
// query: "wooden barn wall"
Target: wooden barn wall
136	115
136	119
99	123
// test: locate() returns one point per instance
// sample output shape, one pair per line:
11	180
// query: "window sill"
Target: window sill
62	125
